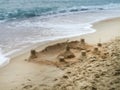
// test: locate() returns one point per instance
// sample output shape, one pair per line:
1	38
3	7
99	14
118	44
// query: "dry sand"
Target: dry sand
46	72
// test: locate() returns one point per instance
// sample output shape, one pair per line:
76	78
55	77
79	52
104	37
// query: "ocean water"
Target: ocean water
19	9
24	23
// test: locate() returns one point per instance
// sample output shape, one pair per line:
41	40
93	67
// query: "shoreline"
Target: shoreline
42	45
18	70
17	52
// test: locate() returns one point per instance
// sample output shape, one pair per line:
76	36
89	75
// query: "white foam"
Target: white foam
3	60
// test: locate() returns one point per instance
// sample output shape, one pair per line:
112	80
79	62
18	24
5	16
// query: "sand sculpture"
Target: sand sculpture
33	54
86	51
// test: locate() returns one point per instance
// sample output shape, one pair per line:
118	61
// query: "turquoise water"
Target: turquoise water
17	9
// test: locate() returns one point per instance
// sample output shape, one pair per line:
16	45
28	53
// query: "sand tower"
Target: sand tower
83	55
96	51
33	54
82	44
82	41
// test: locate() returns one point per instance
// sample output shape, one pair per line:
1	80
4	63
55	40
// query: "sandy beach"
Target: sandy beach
45	72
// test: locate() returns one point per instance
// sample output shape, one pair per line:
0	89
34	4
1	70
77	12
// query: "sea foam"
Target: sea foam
3	60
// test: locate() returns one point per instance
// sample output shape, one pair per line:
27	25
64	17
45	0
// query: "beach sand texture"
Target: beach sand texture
48	71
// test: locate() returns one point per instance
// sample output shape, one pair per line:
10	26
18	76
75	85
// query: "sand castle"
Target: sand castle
33	54
67	52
